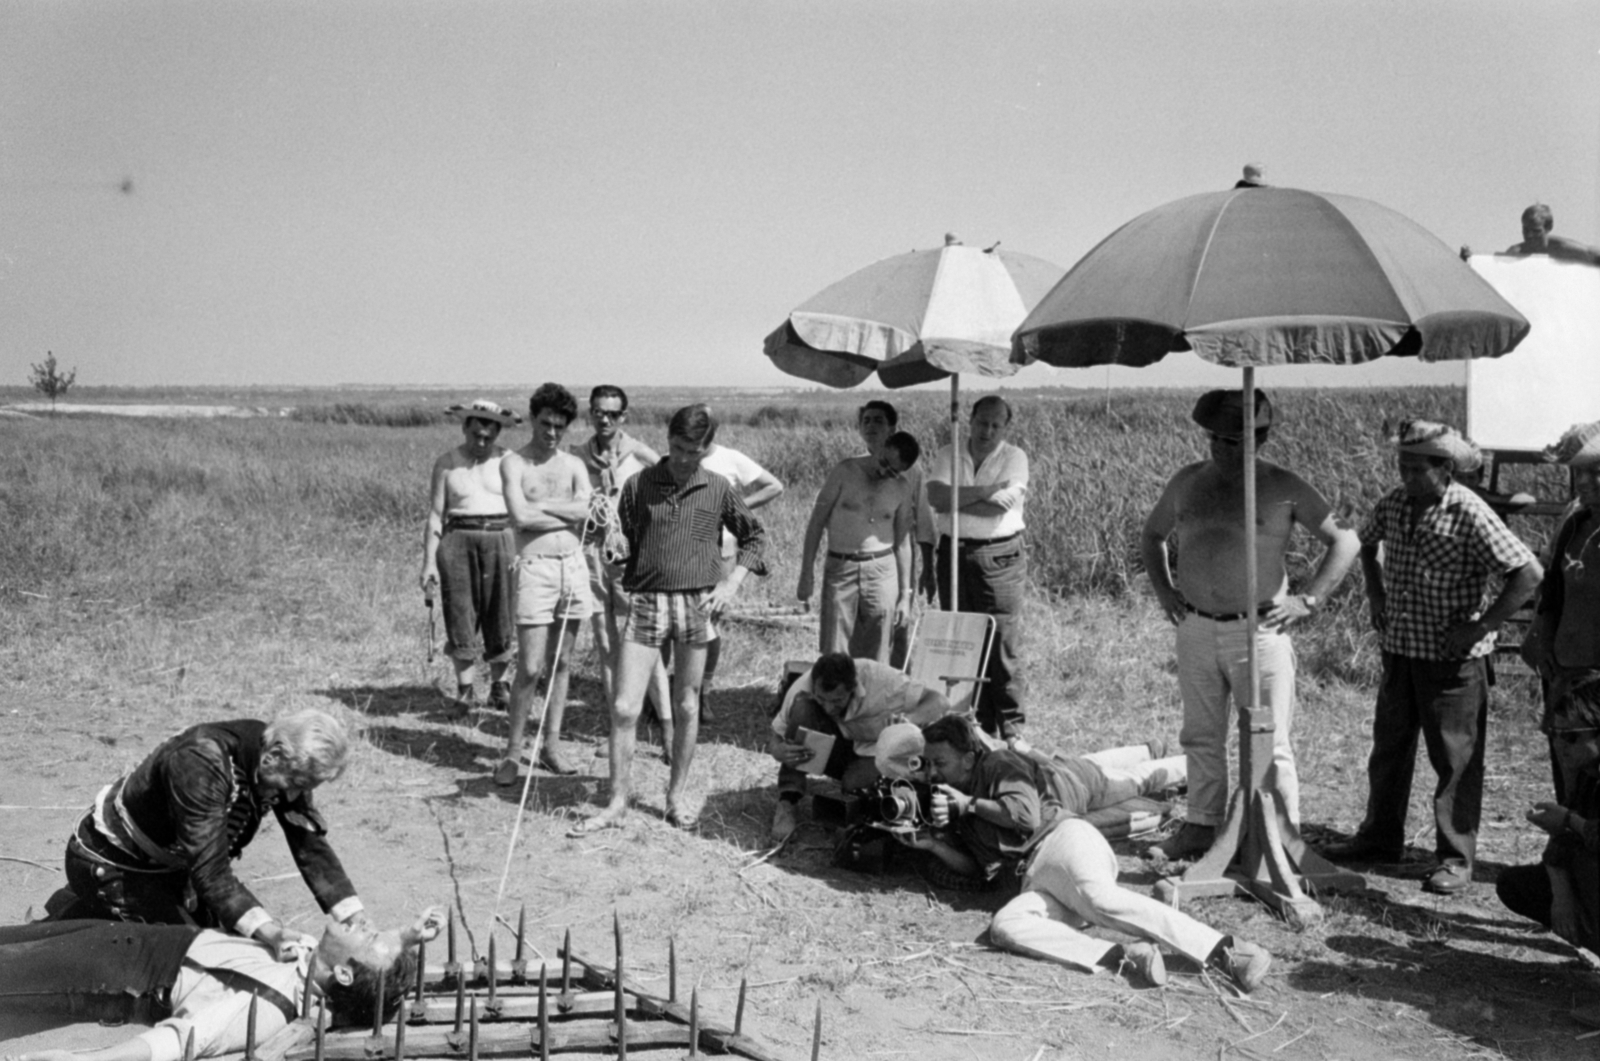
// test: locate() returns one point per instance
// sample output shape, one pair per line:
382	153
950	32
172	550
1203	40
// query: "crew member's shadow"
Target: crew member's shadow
1486	996
425	702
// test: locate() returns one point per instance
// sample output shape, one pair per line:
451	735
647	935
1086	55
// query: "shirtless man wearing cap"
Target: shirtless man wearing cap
864	508
1203	506
467	551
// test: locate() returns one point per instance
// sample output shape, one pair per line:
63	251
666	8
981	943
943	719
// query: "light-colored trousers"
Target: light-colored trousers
1072	883
1213	667
858	600
1124	773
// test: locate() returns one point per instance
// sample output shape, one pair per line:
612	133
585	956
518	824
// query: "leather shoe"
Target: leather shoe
1447	880
1360	849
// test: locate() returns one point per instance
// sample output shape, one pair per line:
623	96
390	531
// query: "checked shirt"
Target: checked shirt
1436	570
675	535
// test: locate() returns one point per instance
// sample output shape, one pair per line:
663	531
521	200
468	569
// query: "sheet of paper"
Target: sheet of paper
821	745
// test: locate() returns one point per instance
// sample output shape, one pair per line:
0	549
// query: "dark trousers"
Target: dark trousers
1448	702
852	771
99	888
991	580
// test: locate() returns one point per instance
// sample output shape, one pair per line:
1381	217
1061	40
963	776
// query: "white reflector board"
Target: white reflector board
1525	399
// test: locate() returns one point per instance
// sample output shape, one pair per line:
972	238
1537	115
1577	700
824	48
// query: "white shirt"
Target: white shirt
739	470
219	1012
1006	462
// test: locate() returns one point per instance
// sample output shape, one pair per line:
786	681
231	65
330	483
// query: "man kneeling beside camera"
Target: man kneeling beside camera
851	701
999	808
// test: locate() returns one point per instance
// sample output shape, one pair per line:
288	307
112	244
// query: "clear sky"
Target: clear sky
476	192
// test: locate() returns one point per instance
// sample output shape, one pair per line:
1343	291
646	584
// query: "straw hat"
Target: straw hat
484	409
1432	439
1578	448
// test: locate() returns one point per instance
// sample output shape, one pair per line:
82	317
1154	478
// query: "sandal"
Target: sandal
683	819
596	824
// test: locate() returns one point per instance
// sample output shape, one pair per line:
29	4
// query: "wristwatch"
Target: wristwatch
1310	600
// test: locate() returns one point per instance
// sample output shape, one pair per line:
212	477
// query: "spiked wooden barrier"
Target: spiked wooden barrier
484	1008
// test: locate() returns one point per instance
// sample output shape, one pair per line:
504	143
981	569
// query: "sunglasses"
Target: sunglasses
608	414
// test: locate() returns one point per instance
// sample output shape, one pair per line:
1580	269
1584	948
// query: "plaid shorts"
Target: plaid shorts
657	618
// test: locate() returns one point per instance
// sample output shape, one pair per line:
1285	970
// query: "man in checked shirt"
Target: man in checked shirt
157	845
1429	595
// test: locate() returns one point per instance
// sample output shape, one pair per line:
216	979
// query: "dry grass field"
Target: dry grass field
155	573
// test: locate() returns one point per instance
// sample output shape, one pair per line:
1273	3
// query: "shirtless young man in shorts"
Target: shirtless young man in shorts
547	494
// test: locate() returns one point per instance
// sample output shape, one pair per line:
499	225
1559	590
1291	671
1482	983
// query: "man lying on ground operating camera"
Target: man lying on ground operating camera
851	700
1001	808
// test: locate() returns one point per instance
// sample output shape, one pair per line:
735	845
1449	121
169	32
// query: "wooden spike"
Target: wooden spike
450	937
422	967
305	992
250	1027
322	1027
472	1032
493	974
461	1003
188	1045
400	1040
621	1002
377	1005
738	1014
544	1014
616	927
694	1023
566	963
522	933
672	968
816	1034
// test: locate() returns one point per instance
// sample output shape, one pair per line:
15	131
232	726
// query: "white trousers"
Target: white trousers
1214	668
1124	773
1072	883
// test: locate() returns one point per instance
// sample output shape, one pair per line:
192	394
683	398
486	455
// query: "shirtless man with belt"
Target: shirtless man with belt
1203	506
467	551
547	494
864	508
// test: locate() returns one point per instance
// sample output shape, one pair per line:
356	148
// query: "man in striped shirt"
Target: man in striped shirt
1429	594
672	516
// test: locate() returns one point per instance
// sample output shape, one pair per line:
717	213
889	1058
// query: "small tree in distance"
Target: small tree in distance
51	383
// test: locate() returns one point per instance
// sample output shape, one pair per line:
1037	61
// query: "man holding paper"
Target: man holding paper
829	725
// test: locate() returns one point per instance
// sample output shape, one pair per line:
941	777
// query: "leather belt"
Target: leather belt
861	558
484	523
983	543
1227	617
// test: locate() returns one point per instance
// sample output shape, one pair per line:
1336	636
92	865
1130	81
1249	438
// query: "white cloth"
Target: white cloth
1071	883
1214	669
739	470
1006	462
219	1012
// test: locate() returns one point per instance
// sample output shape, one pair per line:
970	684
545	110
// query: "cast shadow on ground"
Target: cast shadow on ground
1429	927
390	701
1511	1006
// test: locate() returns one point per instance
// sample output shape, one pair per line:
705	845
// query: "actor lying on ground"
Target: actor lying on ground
199	981
157	845
1003	809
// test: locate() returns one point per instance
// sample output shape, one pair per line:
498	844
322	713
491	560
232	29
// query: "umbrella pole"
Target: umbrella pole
1258	850
955	489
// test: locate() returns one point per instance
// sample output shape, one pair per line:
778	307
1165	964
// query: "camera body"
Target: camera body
900	806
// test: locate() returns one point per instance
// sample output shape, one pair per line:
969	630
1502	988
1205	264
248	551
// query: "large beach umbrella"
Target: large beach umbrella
915	318
1259	277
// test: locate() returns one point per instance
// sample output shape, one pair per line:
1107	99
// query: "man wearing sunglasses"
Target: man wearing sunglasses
1202	511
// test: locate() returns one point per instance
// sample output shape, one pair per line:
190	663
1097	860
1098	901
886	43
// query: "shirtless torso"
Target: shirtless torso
548	496
861	510
471	485
1203	507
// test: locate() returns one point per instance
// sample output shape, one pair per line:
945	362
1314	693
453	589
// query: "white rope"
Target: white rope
563	603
